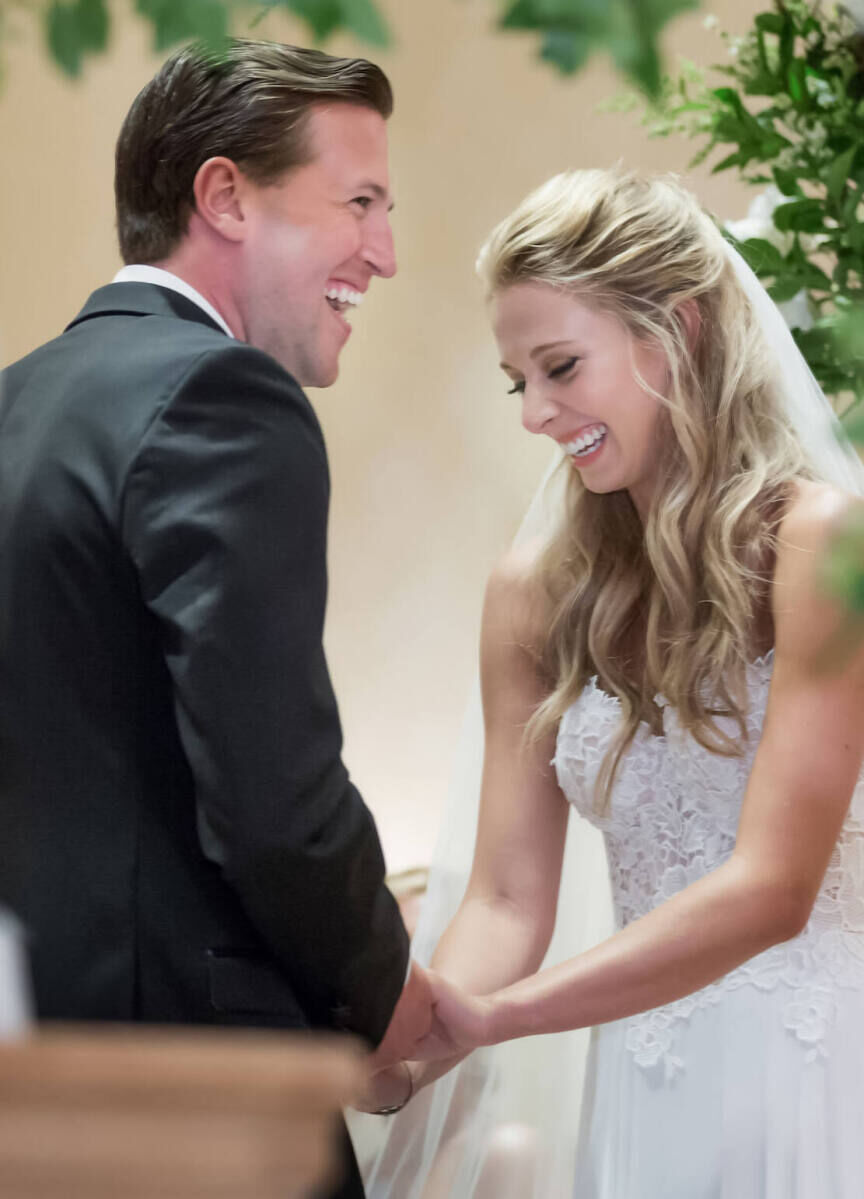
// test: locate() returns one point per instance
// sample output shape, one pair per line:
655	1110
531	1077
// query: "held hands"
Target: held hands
455	1024
434	1021
460	1022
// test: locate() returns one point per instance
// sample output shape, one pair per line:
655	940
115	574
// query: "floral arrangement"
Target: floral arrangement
791	120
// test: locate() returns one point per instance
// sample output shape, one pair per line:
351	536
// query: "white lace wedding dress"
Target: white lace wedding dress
752	1088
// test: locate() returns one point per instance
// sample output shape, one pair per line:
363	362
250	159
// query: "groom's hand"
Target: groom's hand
410	1023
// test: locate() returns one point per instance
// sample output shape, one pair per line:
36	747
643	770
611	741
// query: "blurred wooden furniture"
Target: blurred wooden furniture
139	1113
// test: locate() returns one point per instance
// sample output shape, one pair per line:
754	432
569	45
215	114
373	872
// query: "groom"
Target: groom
177	829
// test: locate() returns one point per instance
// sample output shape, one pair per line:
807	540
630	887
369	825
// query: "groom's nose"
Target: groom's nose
378	250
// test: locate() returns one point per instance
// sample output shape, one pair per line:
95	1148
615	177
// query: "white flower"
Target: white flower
855	9
796	312
759	220
711	22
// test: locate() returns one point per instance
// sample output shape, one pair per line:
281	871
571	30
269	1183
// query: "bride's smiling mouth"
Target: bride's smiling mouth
585	446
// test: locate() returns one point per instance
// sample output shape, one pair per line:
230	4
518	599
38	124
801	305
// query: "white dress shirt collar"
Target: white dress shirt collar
155	274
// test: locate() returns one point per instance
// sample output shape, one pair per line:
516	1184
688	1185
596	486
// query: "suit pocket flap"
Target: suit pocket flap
252	986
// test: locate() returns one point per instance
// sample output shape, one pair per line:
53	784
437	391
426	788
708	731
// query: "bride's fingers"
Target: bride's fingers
462	1019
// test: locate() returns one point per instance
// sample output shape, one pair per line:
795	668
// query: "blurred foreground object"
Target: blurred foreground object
15	1005
122	1113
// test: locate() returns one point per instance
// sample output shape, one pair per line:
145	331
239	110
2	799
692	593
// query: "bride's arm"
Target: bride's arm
505	921
804	772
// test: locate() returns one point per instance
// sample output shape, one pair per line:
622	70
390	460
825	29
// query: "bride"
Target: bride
666	661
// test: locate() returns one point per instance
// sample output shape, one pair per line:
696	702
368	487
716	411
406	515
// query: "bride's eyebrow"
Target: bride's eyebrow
548	345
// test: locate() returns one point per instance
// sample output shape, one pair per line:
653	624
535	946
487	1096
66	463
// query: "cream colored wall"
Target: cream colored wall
431	468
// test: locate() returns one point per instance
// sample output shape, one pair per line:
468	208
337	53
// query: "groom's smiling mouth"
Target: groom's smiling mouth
342	298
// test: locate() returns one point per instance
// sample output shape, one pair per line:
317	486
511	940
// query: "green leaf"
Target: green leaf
628	29
93	24
784	289
566	51
797	83
63	38
322	16
763	256
587	16
839	172
733	160
799	216
786	182
728	96
73	29
362	18
769	22
176	21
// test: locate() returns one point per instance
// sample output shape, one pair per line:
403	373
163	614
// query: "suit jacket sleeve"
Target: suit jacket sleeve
225	516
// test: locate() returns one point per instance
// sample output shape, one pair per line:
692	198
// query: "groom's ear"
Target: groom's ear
218	188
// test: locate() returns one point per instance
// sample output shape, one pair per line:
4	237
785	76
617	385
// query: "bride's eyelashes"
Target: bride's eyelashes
564	368
558	373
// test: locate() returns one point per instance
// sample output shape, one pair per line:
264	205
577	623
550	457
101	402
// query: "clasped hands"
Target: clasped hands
434	1021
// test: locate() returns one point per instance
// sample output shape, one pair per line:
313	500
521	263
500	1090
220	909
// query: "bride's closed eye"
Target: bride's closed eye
557	373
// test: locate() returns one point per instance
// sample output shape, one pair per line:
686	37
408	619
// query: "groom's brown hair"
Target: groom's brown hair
248	101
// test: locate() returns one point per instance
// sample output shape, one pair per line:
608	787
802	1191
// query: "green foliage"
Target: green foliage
326	17
204	20
792	118
74	29
572	30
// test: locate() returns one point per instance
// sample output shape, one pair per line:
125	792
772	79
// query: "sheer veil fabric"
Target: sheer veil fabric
504	1123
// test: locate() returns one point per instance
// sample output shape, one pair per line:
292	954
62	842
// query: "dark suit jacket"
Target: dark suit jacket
177	829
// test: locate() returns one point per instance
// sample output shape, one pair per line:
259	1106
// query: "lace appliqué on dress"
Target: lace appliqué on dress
674	817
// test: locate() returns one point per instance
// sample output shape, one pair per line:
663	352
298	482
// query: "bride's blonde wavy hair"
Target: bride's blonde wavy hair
670	607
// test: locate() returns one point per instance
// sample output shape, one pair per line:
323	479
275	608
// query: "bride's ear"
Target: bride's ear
690	318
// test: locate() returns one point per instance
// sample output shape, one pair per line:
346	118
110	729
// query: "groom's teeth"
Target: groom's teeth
344	295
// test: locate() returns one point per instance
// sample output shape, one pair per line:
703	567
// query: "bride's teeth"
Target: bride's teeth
587	442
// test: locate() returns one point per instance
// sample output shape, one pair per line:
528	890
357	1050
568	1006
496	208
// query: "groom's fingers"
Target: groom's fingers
410	1022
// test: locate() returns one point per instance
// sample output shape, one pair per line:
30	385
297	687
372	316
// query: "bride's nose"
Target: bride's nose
538	409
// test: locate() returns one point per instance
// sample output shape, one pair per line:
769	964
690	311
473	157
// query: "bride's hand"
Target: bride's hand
460	1022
